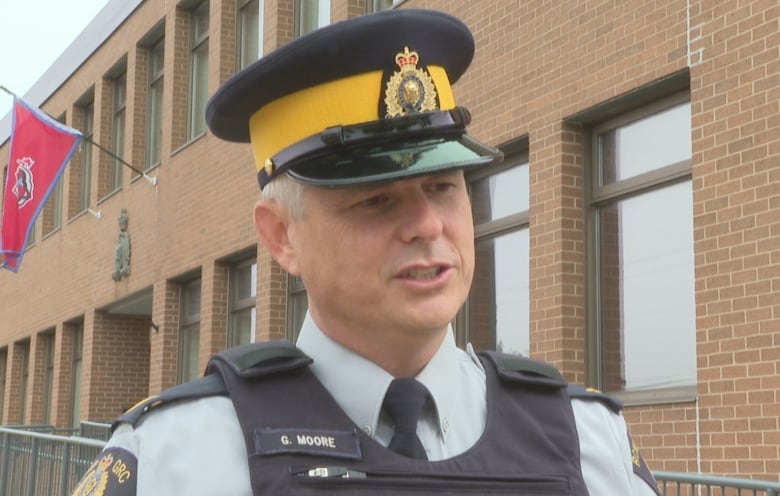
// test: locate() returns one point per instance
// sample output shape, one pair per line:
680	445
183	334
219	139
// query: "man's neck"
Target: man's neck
401	353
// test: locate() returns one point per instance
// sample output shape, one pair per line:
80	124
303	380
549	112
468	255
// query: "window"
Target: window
119	87
85	165
76	365
297	304
48	375
154	104
641	224
52	211
242	299
24	352
250	36
199	70
34	228
496	313
377	5
3	376
310	15
189	332
52	217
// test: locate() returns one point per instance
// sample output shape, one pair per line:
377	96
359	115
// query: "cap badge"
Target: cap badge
269	167
409	89
405	160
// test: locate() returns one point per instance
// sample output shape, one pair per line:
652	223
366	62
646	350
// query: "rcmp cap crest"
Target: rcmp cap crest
364	100
410	89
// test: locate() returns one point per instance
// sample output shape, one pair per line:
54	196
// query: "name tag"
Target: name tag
338	444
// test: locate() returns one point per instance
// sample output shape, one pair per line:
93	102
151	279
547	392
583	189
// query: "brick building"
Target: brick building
632	236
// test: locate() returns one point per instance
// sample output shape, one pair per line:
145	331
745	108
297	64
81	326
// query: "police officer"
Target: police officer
361	152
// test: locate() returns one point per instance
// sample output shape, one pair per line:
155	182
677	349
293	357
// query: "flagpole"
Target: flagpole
152	180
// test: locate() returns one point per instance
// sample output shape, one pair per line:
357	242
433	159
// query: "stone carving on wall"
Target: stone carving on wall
122	251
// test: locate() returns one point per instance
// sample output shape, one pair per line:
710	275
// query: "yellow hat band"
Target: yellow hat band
350	100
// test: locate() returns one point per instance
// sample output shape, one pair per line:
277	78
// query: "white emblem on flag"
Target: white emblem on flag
24	185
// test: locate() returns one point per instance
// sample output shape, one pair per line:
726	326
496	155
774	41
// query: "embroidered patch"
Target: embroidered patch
338	444
112	474
641	469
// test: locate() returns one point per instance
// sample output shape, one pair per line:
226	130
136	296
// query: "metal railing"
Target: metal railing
689	484
95	430
43	429
37	464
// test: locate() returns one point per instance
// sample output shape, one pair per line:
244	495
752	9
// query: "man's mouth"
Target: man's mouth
428	273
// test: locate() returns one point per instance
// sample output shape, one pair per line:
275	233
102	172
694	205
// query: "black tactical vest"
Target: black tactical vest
301	443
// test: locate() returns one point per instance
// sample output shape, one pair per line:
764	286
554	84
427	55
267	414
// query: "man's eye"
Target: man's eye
440	187
373	201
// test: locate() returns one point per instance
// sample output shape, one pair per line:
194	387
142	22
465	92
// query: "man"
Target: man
361	153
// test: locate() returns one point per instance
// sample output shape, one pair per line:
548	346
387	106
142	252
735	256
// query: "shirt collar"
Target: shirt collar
335	367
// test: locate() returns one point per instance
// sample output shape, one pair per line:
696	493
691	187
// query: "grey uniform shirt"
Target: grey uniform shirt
197	448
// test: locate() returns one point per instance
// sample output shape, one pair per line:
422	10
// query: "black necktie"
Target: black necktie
404	403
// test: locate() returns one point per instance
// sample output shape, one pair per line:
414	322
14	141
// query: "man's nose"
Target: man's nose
422	219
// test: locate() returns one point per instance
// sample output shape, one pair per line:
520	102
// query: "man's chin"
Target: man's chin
430	324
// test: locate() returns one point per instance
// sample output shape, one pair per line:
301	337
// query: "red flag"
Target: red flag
40	149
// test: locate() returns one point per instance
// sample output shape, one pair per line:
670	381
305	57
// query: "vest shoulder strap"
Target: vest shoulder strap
259	359
589	394
520	368
251	360
210	385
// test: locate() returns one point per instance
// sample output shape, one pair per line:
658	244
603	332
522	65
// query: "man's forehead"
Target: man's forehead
398	183
336	198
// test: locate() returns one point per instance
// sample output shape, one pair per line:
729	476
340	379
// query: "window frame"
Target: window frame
300	11
242	8
599	195
88	129
240	305
297	306
154	113
51	217
48	374
196	120
189	328
24	379
3	378
76	371
516	153
118	130
376	5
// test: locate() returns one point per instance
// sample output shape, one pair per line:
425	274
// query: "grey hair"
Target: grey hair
288	193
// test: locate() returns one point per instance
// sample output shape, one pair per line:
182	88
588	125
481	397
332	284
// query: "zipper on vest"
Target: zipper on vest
342	472
342	477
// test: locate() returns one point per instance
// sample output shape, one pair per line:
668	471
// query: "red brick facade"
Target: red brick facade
538	65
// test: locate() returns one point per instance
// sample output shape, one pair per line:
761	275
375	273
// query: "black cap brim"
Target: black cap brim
362	166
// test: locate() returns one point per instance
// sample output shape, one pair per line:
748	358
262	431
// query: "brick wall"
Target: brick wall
164	338
735	91
62	387
214	311
116	365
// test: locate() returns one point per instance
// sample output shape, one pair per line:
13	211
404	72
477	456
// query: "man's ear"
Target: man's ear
272	222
